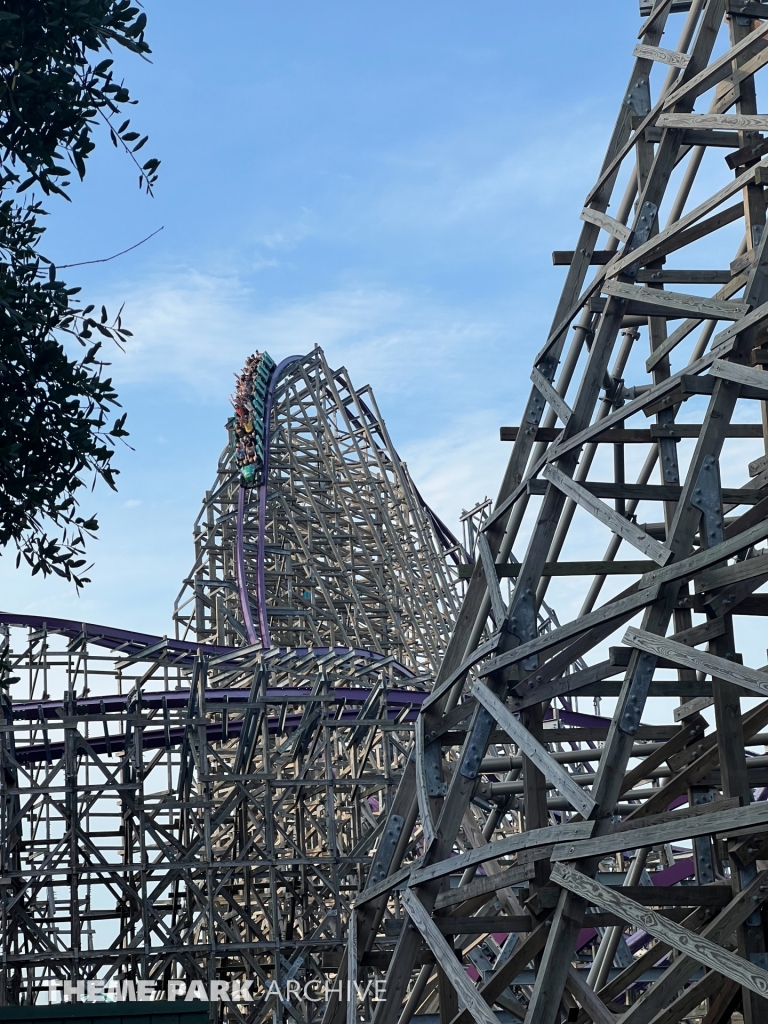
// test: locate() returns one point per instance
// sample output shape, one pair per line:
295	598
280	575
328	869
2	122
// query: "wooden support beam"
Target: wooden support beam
535	751
701	661
551	396
672	831
607	516
638	435
606	223
445	956
697	947
676	304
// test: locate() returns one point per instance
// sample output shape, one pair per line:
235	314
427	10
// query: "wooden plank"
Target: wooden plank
655	492
535	751
385	886
692	707
657	243
589	1000
657	10
485	886
700	661
754	319
679	895
703	137
683	276
673	831
510	844
617	435
599	258
425	812
703	950
551	396
652	895
446	957
352	969
747	375
736	283
688	567
606	223
656	53
664	303
729	574
503	976
615	568
485	925
450	681
498	608
638	404
608	516
621	609
736	122
717	71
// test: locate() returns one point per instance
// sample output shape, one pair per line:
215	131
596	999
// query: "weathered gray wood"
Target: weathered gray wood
503	977
701	661
352	960
756	318
425	812
646	251
623	608
471	659
485	886
672	831
728	574
606	223
621	567
445	956
503	848
662	56
607	516
684	277
738	122
735	284
717	71
498	608
691	707
688	567
551	396
748	375
695	946
589	1000
372	892
639	404
664	303
534	751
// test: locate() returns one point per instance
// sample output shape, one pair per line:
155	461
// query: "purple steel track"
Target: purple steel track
261	604
132	643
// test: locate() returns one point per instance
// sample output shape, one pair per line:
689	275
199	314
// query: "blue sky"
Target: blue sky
387	181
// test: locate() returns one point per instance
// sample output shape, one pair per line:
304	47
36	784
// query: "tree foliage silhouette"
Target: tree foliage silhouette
57	431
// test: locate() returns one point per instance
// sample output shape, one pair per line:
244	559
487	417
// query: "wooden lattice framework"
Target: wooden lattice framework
167	813
550	885
352	556
204	807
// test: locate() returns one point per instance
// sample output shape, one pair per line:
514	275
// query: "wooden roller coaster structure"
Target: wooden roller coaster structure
615	871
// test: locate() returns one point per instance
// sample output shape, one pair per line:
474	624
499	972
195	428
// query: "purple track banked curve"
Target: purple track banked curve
131	643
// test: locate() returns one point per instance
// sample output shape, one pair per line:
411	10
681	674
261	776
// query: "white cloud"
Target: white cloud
195	329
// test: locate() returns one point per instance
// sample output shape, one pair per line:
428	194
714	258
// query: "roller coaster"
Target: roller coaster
204	806
362	756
